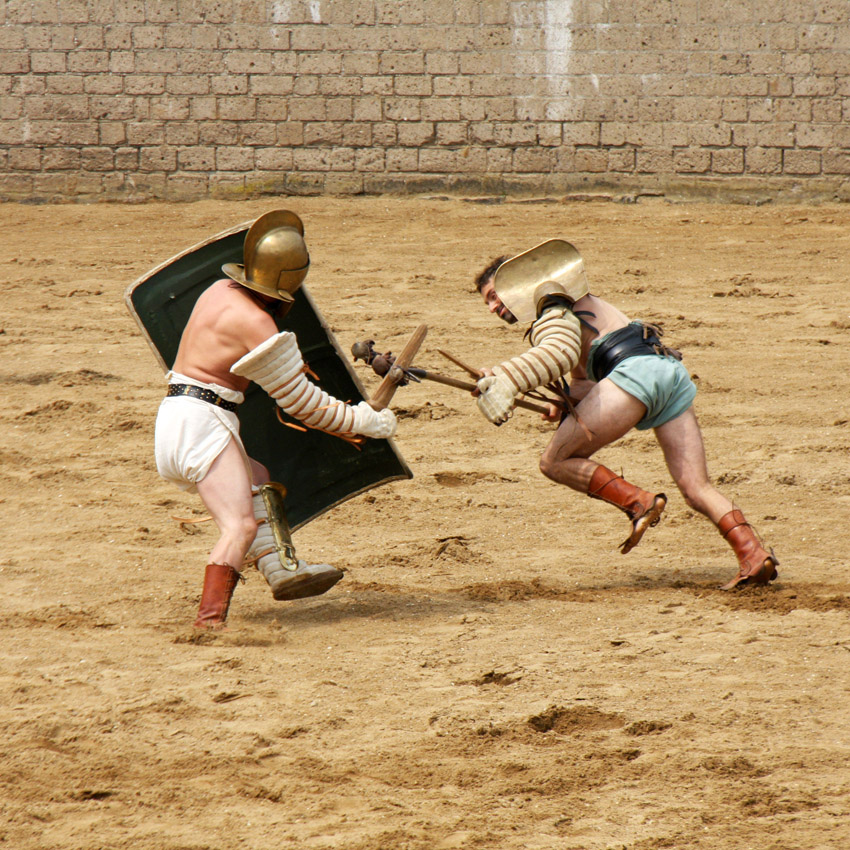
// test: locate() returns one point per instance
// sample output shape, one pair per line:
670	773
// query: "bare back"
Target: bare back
226	323
606	318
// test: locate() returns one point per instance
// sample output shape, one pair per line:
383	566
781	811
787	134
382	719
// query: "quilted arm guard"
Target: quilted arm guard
556	341
278	367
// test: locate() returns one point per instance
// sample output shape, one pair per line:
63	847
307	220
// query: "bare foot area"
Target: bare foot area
490	672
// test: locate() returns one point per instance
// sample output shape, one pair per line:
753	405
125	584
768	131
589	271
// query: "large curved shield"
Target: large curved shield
318	470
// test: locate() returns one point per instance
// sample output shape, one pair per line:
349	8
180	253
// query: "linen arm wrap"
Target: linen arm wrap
278	367
556	341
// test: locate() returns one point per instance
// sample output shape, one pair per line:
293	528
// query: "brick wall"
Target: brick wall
134	99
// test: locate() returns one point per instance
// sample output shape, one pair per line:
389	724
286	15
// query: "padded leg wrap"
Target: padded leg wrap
274	553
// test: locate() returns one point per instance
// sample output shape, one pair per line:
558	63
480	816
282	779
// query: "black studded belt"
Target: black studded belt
203	394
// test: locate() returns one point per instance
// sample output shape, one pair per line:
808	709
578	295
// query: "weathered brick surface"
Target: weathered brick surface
230	98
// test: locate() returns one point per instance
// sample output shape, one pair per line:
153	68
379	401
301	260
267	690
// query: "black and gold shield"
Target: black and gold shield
318	470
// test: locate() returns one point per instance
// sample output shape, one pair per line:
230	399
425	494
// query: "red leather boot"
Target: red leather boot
755	563
219	583
643	509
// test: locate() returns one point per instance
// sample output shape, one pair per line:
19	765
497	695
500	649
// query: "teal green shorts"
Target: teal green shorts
661	383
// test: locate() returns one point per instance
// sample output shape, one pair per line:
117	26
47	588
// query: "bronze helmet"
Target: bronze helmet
275	256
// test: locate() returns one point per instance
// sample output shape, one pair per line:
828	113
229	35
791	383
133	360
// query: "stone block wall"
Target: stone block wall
182	99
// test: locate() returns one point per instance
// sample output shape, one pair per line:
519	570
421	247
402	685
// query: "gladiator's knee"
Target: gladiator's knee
690	500
247	531
548	466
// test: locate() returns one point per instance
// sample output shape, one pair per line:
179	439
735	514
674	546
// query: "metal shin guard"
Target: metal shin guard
274	552
272	524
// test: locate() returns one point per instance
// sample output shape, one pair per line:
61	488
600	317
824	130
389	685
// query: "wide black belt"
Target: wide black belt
631	341
203	394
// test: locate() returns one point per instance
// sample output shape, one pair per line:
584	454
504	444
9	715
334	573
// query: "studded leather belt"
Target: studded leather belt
203	394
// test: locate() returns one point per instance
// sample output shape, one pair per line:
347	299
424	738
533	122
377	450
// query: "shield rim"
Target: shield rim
128	301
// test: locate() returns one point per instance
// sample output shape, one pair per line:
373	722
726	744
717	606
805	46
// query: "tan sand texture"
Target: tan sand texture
491	672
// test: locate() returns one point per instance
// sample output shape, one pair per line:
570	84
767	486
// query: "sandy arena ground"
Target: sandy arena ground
491	672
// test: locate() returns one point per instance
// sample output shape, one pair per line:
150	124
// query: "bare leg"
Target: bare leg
226	492
684	451
609	413
681	441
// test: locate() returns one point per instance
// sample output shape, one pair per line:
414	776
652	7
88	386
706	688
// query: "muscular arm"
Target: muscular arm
253	329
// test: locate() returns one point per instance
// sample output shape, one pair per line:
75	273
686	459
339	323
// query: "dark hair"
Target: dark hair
485	275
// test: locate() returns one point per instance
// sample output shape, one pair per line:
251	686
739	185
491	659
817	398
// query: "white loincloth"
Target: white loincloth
191	433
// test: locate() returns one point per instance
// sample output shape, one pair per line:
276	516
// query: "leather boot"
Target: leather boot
219	583
755	564
306	580
643	509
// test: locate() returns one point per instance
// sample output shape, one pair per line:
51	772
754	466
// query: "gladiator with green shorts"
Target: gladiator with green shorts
614	374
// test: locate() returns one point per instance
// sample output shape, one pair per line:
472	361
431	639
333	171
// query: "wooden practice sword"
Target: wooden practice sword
465	385
394	376
390	384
